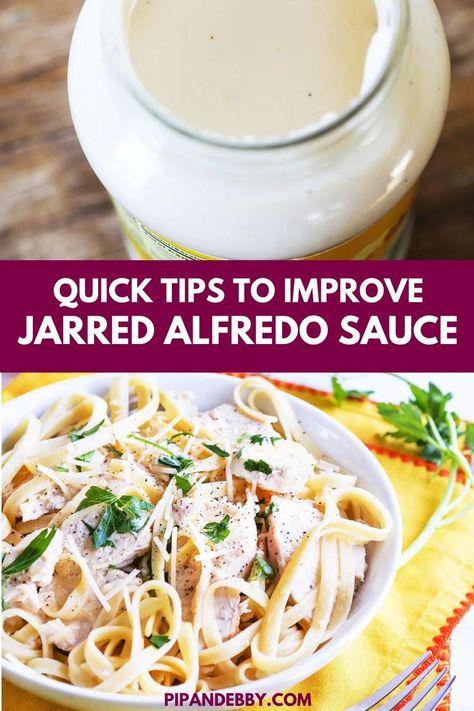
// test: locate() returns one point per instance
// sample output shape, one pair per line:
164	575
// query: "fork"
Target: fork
390	686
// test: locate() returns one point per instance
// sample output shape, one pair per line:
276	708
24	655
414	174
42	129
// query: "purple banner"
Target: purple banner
237	316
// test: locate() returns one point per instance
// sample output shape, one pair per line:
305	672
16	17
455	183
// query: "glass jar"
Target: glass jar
341	191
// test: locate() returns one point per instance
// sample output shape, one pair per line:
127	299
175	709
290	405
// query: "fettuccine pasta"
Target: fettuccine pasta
148	545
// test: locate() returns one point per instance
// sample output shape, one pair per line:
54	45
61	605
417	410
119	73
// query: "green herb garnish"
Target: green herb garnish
433	404
341	394
426	422
32	552
217	450
87	457
61	469
183	483
261	569
152	444
122	514
407	419
263	439
264	515
175	461
158	640
251	465
74	436
469	437
217	531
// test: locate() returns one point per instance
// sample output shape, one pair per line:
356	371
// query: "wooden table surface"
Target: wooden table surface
52	206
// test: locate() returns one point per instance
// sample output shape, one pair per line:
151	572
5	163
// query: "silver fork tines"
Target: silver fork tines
372	701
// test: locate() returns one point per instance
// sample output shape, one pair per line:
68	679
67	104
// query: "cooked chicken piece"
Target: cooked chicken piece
280	465
227	611
23	595
360	563
126	546
51	630
45	502
66	579
289	522
238	552
187	577
76	631
228	423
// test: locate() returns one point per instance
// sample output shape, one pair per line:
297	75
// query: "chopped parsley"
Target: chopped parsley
74	436
181	464
175	461
87	457
183	482
261	570
159	640
263	439
264	515
341	394
251	465
61	469
217	450
122	514
217	531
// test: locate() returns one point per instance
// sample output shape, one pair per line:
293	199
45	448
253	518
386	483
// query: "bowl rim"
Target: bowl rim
273	683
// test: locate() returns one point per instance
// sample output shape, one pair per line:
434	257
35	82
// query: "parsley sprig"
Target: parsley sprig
122	514
426	421
341	394
252	465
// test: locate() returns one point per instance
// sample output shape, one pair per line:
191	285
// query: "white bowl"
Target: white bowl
332	438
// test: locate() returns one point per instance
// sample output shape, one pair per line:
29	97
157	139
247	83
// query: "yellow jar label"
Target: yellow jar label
376	242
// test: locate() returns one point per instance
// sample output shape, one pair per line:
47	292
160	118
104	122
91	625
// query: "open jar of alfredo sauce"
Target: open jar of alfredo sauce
191	179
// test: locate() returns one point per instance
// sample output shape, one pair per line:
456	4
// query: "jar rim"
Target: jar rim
115	40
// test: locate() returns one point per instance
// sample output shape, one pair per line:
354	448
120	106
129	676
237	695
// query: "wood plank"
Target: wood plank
53	207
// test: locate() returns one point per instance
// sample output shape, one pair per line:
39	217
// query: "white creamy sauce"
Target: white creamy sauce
258	68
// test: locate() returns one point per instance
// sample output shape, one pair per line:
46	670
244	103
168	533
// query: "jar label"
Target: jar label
376	242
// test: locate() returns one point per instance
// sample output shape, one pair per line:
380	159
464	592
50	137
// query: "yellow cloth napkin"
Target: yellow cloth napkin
430	595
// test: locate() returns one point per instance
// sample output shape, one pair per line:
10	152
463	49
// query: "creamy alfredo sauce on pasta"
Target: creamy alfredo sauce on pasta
253	67
149	546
